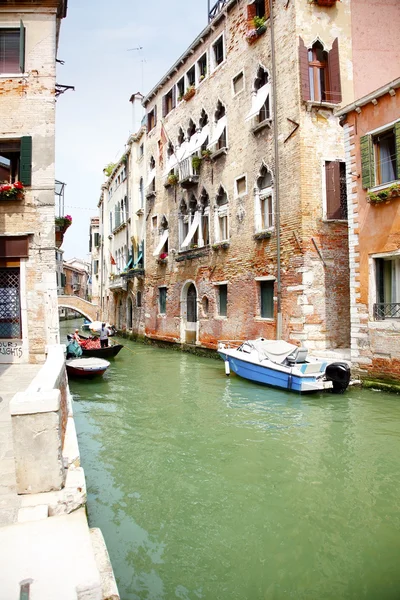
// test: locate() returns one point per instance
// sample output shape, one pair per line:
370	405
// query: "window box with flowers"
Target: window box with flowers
190	92
220	246
262	235
62	223
259	28
172	180
12	191
385	195
163	258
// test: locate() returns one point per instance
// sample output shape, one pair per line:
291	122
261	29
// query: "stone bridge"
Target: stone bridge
87	309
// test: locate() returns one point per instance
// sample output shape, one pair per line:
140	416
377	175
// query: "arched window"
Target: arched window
170	149
191	304
139	299
181	136
203	118
130	313
204	202
318	72
264	208
152	163
261	79
218	136
191	129
183	221
220	111
221	215
261	101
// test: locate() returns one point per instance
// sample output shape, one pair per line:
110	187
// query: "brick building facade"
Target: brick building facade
250	237
28	288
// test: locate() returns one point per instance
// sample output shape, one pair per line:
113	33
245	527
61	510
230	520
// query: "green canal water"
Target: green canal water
215	488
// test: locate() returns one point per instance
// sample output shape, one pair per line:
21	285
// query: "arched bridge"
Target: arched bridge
87	309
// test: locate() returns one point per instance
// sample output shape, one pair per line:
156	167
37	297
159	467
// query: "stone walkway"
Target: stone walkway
13	379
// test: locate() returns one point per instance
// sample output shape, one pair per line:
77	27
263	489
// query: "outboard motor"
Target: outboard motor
339	374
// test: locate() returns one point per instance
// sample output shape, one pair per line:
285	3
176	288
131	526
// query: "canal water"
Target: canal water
215	488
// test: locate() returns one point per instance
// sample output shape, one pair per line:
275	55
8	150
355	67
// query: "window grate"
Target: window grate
384	311
10	309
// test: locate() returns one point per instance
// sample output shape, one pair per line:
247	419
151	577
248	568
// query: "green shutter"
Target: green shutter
397	133
267	299
25	161
21	47
367	161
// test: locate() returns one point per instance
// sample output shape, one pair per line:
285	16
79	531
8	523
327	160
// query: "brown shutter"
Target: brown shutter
155	115
267	10
164	106
332	177
14	247
251	13
148	122
397	133
173	96
367	161
304	76
335	91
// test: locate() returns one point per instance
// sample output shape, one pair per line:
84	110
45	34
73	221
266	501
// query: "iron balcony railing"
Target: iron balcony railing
218	6
384	311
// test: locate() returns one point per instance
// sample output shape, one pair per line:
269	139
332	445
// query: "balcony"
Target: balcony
187	174
384	311
132	273
117	283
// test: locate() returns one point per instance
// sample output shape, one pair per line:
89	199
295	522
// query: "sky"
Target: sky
94	121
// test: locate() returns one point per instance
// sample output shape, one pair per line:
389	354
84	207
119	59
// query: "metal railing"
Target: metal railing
186	170
384	311
216	9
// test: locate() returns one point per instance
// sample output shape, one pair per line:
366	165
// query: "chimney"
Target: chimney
137	111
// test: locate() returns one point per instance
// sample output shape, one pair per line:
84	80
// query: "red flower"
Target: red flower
6	188
163	255
18	185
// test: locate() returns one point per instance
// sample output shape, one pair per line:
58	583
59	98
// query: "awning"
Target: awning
152	176
258	101
161	243
200	138
217	131
171	164
181	152
139	258
192	229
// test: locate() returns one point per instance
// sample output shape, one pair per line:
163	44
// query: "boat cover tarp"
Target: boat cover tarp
74	349
275	350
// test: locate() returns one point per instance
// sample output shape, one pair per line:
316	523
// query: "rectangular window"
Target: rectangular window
238	83
154	222
97	240
191	77
168	102
12	50
162	300
10	309
218	51
95	267
111	222
336	190
223	300
16	160
267	214
202	67
141	151
152	119
267	299
385	157
387	288
241	186
320	72
222	227
180	88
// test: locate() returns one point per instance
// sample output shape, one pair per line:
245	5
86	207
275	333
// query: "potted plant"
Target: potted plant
196	162
220	245
259	23
190	92
394	190
206	154
172	179
262	235
12	191
62	223
163	258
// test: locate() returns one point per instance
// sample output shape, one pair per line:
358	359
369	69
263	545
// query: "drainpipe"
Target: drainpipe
277	199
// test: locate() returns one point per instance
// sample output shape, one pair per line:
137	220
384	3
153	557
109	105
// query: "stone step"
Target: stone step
54	555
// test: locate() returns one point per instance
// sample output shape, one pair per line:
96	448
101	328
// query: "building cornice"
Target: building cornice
189	51
371	98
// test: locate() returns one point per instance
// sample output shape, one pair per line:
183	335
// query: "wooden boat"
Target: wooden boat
86	367
92	347
279	364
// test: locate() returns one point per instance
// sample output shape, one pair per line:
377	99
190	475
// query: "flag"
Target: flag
112	259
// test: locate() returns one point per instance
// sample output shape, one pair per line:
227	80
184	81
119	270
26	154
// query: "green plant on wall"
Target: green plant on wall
196	162
259	22
109	169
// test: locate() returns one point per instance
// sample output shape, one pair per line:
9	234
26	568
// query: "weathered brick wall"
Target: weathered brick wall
27	107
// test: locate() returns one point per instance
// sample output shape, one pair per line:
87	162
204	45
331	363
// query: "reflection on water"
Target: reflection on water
211	487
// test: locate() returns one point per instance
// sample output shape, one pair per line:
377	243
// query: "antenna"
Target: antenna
142	60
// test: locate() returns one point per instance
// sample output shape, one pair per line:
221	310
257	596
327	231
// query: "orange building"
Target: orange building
372	143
